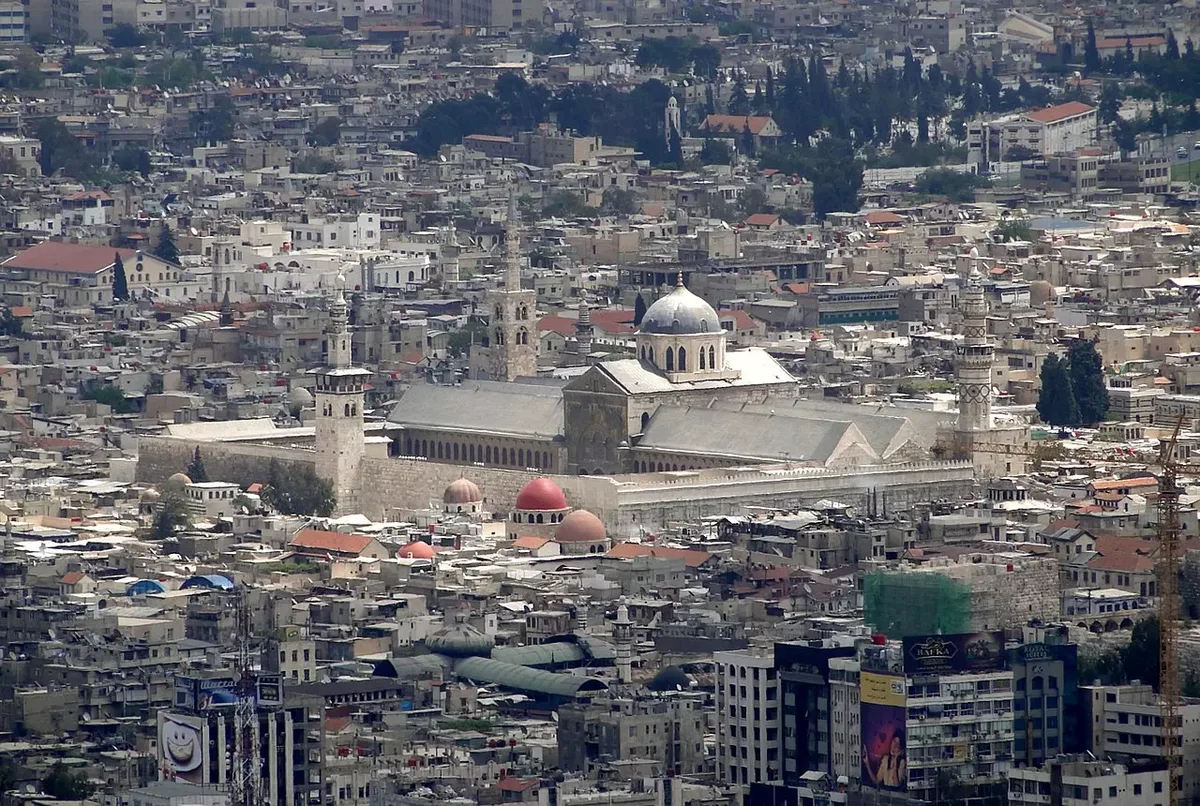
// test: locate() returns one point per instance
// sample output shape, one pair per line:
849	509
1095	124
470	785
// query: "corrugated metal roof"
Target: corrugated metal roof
529	410
540	655
522	678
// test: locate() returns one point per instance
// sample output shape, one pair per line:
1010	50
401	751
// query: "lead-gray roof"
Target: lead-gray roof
747	435
559	652
527	410
521	678
757	368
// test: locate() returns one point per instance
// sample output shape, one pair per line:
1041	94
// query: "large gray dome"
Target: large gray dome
680	313
460	640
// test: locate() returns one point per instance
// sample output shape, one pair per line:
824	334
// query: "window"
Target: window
670	366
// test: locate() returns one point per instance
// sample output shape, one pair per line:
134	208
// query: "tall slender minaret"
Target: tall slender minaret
339	399
511	348
975	356
583	334
622	632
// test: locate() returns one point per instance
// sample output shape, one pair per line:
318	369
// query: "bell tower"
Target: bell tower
510	350
339	399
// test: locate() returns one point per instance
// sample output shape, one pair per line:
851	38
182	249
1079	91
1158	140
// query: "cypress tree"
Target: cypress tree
120	284
1056	402
1087	380
195	468
639	310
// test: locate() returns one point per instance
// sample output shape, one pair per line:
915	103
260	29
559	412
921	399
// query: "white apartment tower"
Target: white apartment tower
747	718
510	348
339	399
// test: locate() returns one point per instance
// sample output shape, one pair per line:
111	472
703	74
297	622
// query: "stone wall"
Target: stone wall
629	505
242	463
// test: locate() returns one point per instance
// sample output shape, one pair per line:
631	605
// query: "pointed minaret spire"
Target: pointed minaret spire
226	310
338	341
512	245
679	279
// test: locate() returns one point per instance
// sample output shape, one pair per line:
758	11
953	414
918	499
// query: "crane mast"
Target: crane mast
245	777
1167	570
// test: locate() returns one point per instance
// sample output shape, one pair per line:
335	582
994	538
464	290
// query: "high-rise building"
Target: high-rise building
196	738
1045	697
339	400
747	718
509	350
806	713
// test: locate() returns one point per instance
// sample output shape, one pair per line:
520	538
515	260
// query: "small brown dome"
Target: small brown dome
1040	292
541	495
417	550
462	491
580	526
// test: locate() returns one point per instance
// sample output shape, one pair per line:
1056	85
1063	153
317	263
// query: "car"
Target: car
1197	146
1181	152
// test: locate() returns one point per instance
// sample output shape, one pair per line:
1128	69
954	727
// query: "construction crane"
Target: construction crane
245	778
1167	569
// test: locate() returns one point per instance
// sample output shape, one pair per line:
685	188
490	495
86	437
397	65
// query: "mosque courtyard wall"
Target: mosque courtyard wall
629	505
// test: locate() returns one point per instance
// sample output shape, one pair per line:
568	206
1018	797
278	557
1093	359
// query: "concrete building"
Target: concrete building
667	728
1045	697
808	718
748	722
1058	129
1084	781
500	15
1124	723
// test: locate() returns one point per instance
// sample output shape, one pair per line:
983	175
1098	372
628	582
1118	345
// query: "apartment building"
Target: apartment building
1084	781
747	717
1055	130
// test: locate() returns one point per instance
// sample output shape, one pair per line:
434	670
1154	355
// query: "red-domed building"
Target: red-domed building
581	532
540	507
417	550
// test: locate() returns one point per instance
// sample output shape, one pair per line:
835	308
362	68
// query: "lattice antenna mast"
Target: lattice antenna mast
246	773
1168	610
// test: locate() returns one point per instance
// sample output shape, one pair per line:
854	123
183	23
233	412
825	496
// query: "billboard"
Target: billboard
181	747
954	654
884	761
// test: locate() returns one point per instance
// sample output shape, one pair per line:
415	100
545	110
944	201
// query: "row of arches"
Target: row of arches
522	312
530	517
641	466
678	357
467	452
522	336
350	410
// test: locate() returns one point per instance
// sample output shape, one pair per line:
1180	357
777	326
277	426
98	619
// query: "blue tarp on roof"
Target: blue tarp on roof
144	586
209	582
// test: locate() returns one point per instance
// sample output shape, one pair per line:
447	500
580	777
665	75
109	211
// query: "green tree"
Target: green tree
715	152
1056	400
110	396
124	35
957	186
1091	55
166	248
1140	658
120	283
747	141
172	513
298	492
62	784
751	200
28	65
314	164
739	101
618	202
1087	381
639	310
326	133
10	325
130	158
61	150
1014	229
836	176
195	469
566	204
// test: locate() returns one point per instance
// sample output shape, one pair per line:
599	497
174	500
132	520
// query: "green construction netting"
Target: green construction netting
900	604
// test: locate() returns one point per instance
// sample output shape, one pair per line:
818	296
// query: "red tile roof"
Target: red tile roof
762	220
1053	114
67	257
72	577
883	217
736	123
627	551
318	540
741	319
531	542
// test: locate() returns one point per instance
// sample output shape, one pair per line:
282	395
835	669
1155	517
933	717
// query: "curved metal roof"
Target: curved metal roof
210	581
144	586
540	655
522	678
410	667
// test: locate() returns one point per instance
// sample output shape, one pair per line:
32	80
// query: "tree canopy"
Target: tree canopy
298	491
1056	401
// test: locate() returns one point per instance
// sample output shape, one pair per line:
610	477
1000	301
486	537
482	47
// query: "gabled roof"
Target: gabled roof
691	558
319	540
1053	114
737	123
530	542
762	220
67	257
72	577
524	409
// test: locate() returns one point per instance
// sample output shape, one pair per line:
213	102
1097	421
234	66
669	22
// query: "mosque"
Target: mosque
684	429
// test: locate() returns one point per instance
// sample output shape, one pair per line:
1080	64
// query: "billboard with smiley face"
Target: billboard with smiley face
181	747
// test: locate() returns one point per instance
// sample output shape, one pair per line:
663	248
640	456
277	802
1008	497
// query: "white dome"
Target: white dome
680	313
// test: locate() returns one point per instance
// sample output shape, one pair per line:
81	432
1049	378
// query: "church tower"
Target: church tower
511	348
339	399
975	356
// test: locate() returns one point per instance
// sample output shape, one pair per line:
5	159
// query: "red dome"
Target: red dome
541	495
580	526
417	550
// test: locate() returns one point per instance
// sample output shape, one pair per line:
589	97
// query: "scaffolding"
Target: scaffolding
909	603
